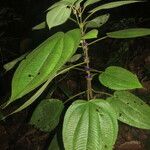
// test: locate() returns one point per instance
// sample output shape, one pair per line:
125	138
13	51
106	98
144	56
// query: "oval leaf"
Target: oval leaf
46	115
44	62
90	125
131	109
98	21
129	33
113	5
58	16
118	78
91	34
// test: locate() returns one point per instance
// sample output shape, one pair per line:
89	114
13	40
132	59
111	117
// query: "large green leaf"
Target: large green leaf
90	2
58	16
44	62
91	34
129	33
118	78
46	115
90	125
113	5
131	109
98	21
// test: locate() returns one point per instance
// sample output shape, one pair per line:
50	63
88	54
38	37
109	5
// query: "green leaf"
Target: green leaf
58	16
131	109
46	115
44	62
90	2
75	58
91	34
118	78
90	125
54	144
40	26
77	4
113	5
129	33
98	21
70	1
11	64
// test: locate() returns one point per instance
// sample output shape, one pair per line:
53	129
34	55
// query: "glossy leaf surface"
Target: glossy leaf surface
118	78
131	109
129	33
46	115
90	125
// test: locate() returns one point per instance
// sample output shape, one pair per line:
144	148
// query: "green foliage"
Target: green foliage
131	109
91	34
117	78
129	33
98	21
40	26
46	115
90	125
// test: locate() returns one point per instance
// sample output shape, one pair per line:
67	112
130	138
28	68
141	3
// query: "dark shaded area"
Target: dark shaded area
17	17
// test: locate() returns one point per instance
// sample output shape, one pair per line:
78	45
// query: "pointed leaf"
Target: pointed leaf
90	2
118	78
131	109
46	115
90	125
91	34
40	26
129	33
12	64
54	144
98	21
75	58
58	16
113	5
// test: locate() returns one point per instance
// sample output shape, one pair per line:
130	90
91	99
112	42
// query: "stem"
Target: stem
98	40
100	92
72	97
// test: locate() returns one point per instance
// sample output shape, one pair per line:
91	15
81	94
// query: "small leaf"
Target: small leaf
113	5
129	33
46	115
91	34
75	58
90	2
77	4
40	26
90	125
58	16
54	144
118	78
11	64
98	21
131	109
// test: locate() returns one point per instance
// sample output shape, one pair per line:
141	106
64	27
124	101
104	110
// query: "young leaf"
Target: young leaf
58	16
40	26
118	78
91	34
46	115
54	144
90	2
77	3
129	33
11	64
131	109
90	125
75	58
113	5
98	21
